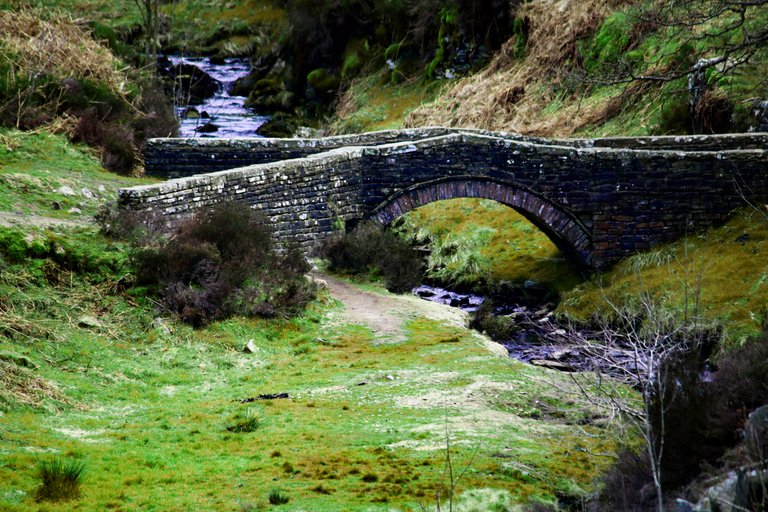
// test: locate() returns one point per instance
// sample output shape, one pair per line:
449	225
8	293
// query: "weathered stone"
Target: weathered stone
598	199
88	322
161	326
737	491
250	347
756	433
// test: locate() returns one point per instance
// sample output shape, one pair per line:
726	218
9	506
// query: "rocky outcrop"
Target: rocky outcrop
738	491
756	434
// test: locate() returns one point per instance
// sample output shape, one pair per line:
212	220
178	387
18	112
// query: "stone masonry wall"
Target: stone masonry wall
177	158
599	199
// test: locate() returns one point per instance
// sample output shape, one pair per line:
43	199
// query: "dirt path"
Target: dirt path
386	314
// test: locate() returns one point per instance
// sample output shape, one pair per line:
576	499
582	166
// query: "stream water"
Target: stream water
530	343
224	112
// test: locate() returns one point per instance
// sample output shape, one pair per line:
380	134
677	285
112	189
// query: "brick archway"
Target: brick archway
563	228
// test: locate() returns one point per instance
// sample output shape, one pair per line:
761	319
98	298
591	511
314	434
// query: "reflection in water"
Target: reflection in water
224	112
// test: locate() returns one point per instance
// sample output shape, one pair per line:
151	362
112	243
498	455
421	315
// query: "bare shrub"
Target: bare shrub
690	419
222	263
371	248
713	112
116	141
659	350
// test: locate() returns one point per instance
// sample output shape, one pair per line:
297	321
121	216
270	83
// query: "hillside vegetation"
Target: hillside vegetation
577	70
103	382
55	76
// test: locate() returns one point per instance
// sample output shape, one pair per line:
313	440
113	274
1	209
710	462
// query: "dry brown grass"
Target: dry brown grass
21	386
58	47
513	94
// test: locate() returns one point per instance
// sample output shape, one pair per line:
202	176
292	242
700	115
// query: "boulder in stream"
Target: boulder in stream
187	81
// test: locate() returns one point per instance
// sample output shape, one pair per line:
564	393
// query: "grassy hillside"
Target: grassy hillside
161	415
724	269
43	174
570	72
567	69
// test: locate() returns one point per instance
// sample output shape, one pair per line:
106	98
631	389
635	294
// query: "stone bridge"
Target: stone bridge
598	199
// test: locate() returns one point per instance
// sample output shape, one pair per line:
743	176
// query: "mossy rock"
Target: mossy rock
269	95
356	55
267	86
323	81
260	70
280	126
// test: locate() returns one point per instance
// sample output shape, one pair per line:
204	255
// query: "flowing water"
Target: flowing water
222	110
532	342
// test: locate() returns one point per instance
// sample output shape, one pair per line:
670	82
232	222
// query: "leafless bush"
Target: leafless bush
369	247
659	352
222	263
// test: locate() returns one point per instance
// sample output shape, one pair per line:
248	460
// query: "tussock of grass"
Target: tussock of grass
60	479
245	422
278	497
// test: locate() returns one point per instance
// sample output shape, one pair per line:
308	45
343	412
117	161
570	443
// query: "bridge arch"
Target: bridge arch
564	229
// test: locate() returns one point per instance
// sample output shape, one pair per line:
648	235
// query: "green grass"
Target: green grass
45	175
477	241
727	265
152	412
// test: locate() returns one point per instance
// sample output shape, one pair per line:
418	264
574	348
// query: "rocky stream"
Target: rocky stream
204	104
